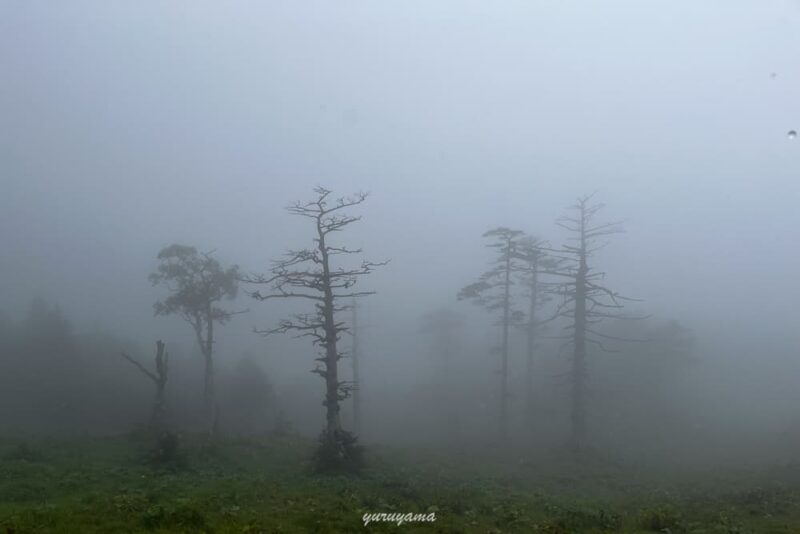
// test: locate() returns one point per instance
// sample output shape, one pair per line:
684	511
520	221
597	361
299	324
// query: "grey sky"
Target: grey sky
127	126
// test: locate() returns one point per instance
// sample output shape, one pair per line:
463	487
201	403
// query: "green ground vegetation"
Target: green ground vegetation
111	485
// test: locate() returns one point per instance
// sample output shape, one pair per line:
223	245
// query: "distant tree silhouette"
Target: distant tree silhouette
536	262
442	328
493	292
584	301
311	274
51	373
197	284
249	404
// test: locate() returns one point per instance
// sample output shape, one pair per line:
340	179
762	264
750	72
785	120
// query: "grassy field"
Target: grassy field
106	485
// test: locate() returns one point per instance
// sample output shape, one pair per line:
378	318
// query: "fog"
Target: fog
129	126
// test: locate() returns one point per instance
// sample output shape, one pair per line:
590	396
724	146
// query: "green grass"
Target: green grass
107	485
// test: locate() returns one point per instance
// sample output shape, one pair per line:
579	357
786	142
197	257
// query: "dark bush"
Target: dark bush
167	451
338	452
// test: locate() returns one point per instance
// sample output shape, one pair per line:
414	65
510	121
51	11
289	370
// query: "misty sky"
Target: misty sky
127	126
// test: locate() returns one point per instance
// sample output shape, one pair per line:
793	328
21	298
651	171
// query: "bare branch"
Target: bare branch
139	366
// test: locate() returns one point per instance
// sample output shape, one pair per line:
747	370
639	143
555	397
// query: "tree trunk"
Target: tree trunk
331	403
531	342
356	375
504	348
208	389
157	419
579	374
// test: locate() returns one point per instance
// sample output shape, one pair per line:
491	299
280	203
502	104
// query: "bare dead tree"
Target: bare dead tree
310	274
493	292
197	283
585	302
355	355
159	379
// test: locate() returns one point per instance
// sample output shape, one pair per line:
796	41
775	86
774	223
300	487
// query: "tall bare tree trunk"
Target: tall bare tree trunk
333	421
159	378
531	342
579	373
504	348
586	303
157	420
493	292
208	389
356	375
307	274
